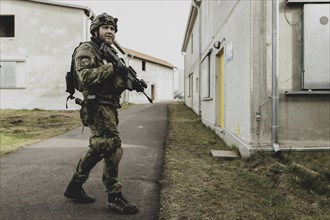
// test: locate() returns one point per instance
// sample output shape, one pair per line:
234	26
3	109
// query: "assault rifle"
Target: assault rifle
132	82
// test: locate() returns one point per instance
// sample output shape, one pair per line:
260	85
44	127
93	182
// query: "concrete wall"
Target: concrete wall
233	29
229	23
261	73
304	120
191	71
157	76
45	36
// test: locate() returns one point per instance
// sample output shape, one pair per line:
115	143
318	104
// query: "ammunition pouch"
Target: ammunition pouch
91	103
87	110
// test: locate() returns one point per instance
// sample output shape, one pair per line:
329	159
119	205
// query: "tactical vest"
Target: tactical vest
73	83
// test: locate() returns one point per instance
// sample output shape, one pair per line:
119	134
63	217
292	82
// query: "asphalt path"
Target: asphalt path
33	180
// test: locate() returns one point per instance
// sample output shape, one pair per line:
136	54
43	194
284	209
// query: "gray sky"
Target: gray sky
153	27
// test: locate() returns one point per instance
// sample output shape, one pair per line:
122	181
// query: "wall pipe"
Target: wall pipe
199	54
275	62
184	77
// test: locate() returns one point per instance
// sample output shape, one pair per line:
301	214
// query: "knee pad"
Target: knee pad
117	155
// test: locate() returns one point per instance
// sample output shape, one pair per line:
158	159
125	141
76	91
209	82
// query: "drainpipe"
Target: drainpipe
184	77
275	61
199	54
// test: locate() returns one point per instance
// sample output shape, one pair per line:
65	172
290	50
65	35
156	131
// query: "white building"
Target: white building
179	83
237	85
158	74
37	38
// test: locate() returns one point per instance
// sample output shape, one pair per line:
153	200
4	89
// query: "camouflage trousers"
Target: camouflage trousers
104	144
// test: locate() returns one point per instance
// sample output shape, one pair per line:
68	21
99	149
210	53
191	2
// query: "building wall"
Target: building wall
304	120
191	71
158	77
45	36
221	21
246	28
261	70
237	74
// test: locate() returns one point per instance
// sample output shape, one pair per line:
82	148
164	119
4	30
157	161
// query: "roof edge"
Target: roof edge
190	23
142	56
149	58
88	12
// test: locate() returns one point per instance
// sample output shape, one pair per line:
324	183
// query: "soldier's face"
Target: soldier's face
107	34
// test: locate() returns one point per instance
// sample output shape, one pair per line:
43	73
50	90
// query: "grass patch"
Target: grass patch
19	128
196	185
23	127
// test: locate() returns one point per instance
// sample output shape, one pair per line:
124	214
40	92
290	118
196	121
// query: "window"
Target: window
12	74
8	74
197	85
206	76
190	85
143	65
7	26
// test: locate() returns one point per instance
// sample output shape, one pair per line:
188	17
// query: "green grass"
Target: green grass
196	185
19	128
23	127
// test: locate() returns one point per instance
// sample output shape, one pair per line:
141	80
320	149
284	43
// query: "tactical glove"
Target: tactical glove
121	68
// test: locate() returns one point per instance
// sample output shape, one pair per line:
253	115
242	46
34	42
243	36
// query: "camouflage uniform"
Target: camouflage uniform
99	81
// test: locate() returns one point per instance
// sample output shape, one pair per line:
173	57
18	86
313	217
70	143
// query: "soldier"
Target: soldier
101	85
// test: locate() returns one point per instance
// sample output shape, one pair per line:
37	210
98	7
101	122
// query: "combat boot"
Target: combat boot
118	203
75	192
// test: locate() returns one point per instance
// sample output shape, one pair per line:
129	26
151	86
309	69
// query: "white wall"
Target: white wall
303	119
45	36
228	22
159	76
191	69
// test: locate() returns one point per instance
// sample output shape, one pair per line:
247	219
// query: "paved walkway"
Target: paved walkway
33	180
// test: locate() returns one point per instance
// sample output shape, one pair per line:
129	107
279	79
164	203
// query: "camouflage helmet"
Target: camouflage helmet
103	19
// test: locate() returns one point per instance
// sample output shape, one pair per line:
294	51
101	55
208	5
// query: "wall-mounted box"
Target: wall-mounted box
307	1
316	46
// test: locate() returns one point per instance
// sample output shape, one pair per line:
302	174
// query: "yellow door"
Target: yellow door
222	89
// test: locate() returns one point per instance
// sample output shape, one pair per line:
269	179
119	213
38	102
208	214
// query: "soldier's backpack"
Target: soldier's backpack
70	83
71	80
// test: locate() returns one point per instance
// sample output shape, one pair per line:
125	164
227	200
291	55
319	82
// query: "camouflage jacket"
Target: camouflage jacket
96	78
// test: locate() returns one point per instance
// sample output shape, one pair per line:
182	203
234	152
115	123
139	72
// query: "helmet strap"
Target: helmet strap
96	33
